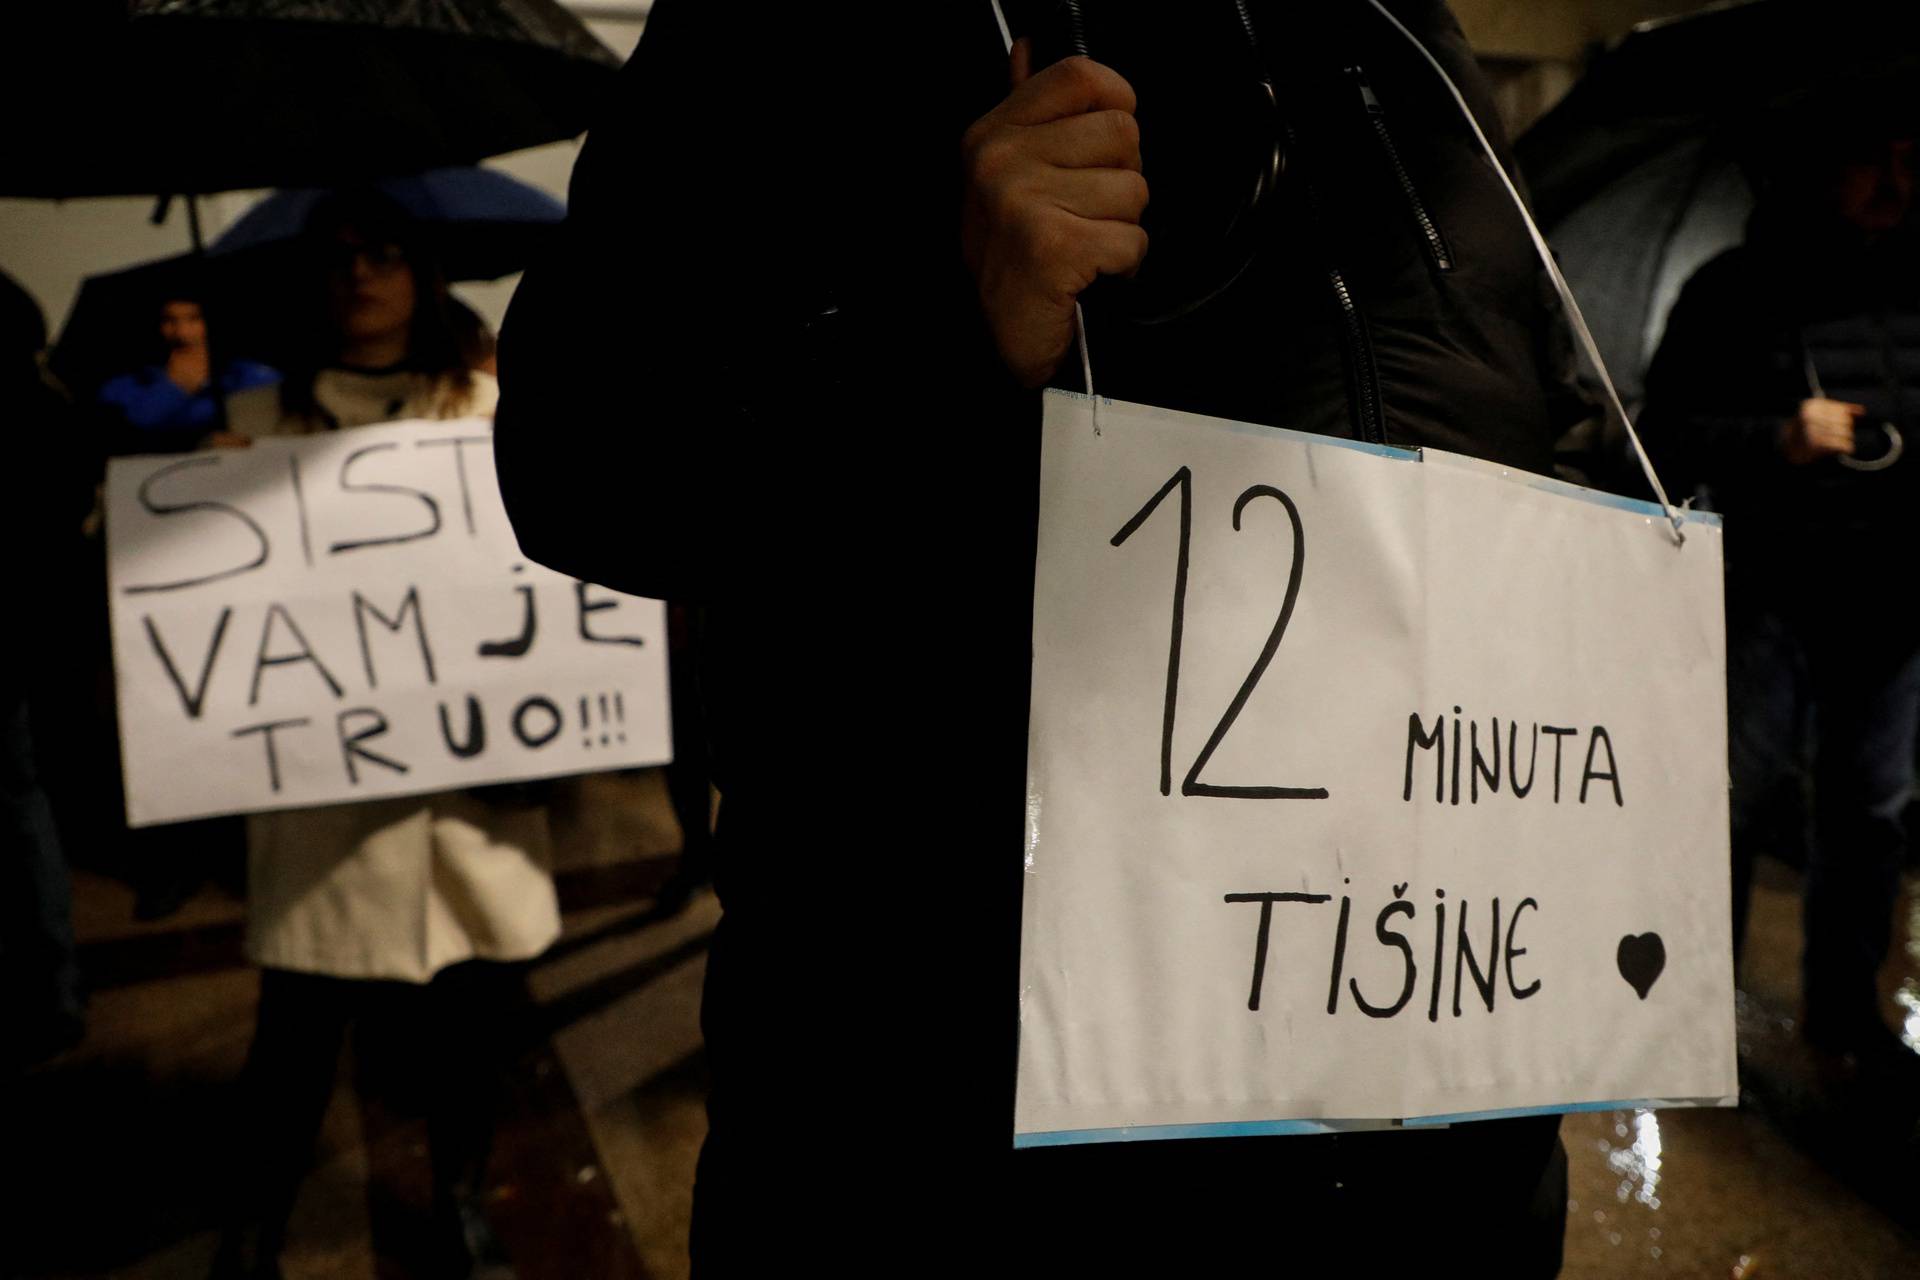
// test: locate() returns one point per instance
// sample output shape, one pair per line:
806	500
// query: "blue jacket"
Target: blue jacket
149	401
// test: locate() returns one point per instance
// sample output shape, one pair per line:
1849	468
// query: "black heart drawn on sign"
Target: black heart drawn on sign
1641	958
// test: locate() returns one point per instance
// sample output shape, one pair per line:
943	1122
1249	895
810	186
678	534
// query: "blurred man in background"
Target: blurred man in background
178	401
1787	384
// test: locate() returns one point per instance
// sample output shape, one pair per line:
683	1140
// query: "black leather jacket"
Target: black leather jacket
1398	298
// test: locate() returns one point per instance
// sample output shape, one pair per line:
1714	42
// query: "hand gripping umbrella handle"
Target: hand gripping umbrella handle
1895	447
1896	444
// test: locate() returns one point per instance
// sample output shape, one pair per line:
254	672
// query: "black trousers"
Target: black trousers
39	974
447	1042
1859	687
866	1117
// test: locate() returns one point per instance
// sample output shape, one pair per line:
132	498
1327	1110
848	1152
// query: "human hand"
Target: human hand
1821	429
1053	201
226	440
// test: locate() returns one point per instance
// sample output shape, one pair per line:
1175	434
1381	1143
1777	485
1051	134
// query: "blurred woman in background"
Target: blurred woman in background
406	914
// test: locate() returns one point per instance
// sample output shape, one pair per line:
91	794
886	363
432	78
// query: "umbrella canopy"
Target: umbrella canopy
254	278
1647	169
485	223
196	96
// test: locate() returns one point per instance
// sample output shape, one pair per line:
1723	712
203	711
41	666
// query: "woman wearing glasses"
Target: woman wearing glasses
400	917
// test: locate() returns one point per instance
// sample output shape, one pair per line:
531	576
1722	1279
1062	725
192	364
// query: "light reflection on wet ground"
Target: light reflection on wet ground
1638	1162
1906	997
1808	1179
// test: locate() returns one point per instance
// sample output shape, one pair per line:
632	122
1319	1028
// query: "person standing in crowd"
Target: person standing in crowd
1788	385
799	354
406	915
178	401
42	1008
175	403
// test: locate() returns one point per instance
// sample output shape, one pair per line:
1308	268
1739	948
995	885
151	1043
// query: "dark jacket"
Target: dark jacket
755	375
1402	301
1731	371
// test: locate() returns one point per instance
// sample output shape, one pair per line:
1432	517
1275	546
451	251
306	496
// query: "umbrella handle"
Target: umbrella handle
1895	447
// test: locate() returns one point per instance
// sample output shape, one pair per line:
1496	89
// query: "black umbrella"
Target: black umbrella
484	223
1646	169
194	96
114	325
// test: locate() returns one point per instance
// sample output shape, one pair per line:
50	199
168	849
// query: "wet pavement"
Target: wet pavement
592	1171
1814	1176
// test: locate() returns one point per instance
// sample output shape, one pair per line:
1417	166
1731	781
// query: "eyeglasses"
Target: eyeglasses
341	256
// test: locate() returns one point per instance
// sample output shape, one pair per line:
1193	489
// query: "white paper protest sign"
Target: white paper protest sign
341	616
1364	785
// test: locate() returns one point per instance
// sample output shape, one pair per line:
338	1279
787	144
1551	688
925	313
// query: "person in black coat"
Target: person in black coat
42	1004
1787	386
784	365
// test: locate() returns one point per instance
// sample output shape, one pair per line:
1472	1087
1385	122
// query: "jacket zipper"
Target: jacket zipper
1366	379
1368	419
1436	243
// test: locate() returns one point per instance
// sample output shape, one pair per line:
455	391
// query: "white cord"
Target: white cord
1086	363
1576	319
1006	32
1079	316
1574	316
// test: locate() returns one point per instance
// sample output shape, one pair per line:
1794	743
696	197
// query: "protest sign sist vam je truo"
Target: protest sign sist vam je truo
330	617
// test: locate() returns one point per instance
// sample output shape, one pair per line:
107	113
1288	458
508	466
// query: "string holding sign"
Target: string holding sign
1575	316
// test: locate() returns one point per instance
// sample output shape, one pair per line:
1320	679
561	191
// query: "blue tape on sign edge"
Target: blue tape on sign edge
1574	1108
1168	1132
1546	484
1514	1113
1601	498
1253	428
1270	1128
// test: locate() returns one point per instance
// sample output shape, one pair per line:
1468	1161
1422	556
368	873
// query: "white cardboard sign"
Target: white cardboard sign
342	616
1364	786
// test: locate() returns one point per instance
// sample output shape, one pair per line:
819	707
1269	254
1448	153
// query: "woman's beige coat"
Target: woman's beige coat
399	888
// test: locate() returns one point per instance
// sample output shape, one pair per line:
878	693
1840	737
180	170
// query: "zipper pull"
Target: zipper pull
1358	75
